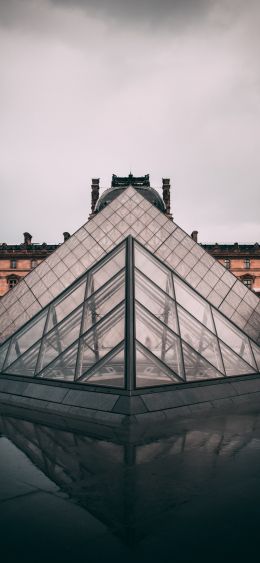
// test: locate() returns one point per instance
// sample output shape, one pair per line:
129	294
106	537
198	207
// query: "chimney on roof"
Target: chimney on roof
167	196
194	236
94	193
66	236
27	239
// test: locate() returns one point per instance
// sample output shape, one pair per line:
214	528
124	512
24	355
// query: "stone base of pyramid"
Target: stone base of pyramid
118	411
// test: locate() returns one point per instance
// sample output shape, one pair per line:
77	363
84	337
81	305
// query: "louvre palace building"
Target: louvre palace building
130	316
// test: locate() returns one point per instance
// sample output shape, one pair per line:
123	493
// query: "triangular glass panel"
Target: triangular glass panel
3	352
153	269
157	338
101	339
26	337
256	351
156	301
64	305
193	303
26	364
108	267
199	338
63	367
81	335
234	338
234	364
103	301
60	338
109	372
196	367
150	372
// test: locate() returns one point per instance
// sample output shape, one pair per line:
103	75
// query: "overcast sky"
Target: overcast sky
94	87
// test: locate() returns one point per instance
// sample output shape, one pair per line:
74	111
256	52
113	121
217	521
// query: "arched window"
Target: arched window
247	263
12	281
248	281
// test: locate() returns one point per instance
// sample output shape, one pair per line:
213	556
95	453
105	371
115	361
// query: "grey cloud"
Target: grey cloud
176	14
146	10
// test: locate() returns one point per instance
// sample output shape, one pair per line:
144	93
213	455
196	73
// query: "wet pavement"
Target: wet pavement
191	496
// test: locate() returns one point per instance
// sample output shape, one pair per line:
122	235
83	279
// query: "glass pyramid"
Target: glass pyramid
131	214
129	322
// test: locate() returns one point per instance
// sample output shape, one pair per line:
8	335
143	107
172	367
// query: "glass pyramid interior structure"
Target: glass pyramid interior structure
129	322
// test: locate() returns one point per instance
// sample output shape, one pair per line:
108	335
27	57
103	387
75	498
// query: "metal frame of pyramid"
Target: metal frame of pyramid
129	323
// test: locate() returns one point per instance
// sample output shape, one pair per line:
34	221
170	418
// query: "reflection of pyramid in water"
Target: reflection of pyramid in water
129	313
82	465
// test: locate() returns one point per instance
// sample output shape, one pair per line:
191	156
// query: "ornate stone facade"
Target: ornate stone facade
243	260
17	260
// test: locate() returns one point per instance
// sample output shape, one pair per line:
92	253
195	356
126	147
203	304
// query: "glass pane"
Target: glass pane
196	367
103	301
256	351
233	337
157	338
66	304
150	372
3	351
64	367
162	306
108	268
101	339
199	337
26	364
26	337
60	338
234	365
108	373
193	303
153	269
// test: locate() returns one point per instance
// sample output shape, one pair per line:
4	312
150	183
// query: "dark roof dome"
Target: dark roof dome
141	184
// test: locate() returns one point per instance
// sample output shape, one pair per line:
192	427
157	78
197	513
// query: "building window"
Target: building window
227	263
247	263
13	263
34	263
12	282
248	282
